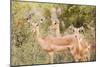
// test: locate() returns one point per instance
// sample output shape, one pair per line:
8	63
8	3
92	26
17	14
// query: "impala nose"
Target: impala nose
76	36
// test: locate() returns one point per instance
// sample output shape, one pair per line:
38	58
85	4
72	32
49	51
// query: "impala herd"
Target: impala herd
78	45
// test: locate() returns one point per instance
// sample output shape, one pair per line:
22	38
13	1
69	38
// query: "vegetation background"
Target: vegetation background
25	50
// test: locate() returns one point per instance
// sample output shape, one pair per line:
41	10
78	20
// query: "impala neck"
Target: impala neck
37	32
58	30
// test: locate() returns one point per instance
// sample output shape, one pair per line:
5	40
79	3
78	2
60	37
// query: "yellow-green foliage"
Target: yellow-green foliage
25	49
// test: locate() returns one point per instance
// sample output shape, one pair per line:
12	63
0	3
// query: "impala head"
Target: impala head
35	21
34	27
76	31
54	25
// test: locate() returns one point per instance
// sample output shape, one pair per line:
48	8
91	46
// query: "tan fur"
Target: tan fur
79	47
81	51
52	44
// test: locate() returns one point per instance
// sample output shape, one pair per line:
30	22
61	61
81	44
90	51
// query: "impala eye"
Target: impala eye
55	23
41	19
26	18
80	30
37	25
73	30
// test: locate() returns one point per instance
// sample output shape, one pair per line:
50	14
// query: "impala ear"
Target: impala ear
55	23
81	29
71	27
42	19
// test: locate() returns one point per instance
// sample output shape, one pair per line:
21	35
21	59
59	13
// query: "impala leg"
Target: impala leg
65	55
51	56
75	55
87	55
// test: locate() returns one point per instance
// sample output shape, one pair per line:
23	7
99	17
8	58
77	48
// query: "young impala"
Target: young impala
80	51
